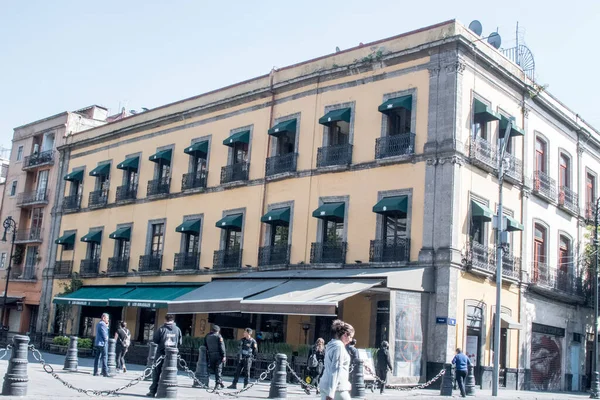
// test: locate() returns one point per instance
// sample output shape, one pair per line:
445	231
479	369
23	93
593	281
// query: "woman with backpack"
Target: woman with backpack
123	338
316	359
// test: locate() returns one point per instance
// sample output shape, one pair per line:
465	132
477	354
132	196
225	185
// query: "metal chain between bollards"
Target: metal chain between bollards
92	392
305	386
5	351
406	389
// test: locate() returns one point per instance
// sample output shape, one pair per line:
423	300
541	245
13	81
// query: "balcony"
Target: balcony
482	259
235	172
186	262
511	266
227	259
194	180
274	255
150	263
98	198
568	200
38	160
556	283
483	154
63	269
339	154
281	164
328	253
395	145
118	266
26	273
513	168
390	250
89	268
35	198
544	186
71	203
29	235
158	187
126	193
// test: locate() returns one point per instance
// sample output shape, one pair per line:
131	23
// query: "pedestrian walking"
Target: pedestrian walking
215	352
315	362
462	363
101	345
335	384
384	364
247	352
123	338
168	335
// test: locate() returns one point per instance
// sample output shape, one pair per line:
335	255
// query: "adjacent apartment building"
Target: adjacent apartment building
359	185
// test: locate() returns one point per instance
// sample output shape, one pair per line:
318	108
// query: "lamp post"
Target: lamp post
595	389
10	225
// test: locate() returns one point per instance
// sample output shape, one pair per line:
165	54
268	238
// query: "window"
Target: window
93	251
13	188
540	155
564	253
590	194
279	235
477	231
240	153
42	184
191	243
157	240
130	178
339	133
474	334
539	249
394	227
37	215
163	169
333	231
399	121
233	239
2	260
123	248
76	188
564	177
286	143
20	153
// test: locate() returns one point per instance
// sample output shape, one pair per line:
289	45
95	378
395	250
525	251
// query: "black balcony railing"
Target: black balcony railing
513	167
278	254
227	259
126	192
38	159
158	186
483	258
29	235
194	180
118	265
328	252
150	263
556	279
186	261
280	164
395	145
30	198
483	152
339	154
26	272
72	203
511	266
235	172
544	185
98	198
390	250
89	267
568	199
63	268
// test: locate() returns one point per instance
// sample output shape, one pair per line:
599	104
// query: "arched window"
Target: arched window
540	269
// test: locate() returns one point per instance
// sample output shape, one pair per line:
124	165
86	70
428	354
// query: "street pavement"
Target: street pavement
43	386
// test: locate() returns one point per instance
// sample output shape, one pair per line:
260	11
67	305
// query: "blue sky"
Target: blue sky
64	55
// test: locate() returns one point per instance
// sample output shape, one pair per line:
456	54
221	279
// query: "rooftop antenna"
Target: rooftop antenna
522	56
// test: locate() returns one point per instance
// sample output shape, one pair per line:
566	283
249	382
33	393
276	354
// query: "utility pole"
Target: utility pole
595	389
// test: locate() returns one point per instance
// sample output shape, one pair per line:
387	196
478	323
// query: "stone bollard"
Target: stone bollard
151	357
278	389
167	384
446	389
71	361
202	367
470	382
15	380
112	357
358	380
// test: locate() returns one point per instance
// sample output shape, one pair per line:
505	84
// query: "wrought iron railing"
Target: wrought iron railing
483	152
26	272
544	185
227	259
514	167
568	199
556	279
150	262
278	254
194	180
235	172
511	266
35	197
98	198
29	235
395	145
89	267
63	268
186	261
158	186
339	154
34	160
390	250
483	258
126	192
118	265
328	252
72	203
280	164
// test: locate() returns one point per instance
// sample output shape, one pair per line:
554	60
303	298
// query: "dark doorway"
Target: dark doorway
323	328
146	324
185	322
383	322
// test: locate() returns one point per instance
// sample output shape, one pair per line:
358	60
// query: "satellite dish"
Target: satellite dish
495	40
476	27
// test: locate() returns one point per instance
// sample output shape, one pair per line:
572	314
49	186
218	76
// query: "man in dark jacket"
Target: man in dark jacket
247	352
462	363
384	363
167	335
215	351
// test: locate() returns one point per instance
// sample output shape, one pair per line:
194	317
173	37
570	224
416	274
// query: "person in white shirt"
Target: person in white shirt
335	383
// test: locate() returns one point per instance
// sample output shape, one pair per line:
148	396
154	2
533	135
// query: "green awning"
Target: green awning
121	234
277	216
283	127
395	103
130	164
95	237
342	114
66	239
233	221
483	113
75	176
198	148
163	155
240	137
101	170
331	212
513	225
480	211
150	296
514	131
191	226
392	205
92	295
